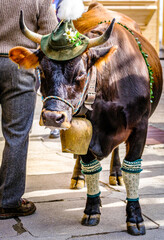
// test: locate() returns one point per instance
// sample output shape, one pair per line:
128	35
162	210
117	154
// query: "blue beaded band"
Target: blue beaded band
93	196
91	173
92	163
132	167
132	199
91	168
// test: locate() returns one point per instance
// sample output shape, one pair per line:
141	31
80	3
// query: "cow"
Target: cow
115	174
128	88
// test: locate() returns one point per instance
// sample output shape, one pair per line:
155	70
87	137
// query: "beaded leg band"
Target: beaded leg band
92	172
131	175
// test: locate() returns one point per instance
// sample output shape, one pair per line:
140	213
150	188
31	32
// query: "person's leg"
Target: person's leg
17	98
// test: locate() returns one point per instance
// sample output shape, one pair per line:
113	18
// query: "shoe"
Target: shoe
54	133
24	209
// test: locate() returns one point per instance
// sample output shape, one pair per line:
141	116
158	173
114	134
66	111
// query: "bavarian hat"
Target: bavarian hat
64	43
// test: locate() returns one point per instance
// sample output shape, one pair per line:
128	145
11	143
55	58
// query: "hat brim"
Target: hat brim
62	54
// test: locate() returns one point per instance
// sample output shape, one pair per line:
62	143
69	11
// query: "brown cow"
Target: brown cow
84	26
121	108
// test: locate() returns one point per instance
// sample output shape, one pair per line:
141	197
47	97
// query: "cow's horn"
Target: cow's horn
103	38
35	37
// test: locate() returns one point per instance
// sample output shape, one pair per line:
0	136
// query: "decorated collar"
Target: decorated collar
145	56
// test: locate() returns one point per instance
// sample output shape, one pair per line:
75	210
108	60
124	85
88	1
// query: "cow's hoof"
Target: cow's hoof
116	180
135	224
80	184
132	229
112	180
136	229
90	220
141	228
120	181
77	183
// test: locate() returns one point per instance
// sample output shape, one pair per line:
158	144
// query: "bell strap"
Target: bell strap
91	92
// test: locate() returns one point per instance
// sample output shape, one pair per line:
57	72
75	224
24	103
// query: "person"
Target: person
17	99
56	3
55	133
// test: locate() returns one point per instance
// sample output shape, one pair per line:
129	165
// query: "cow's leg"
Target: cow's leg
115	171
131	168
91	170
77	180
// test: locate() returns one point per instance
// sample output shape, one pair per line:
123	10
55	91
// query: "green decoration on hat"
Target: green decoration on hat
64	43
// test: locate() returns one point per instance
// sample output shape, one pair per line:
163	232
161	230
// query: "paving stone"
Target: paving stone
55	187
152	206
62	219
7	228
150	235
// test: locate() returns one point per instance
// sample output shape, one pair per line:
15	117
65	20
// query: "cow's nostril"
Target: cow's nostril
60	118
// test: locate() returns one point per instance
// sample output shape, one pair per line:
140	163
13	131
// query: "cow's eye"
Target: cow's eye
42	75
80	78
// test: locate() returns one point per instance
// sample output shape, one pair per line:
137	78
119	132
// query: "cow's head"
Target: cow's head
62	82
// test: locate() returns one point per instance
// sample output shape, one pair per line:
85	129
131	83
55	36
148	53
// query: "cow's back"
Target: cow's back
97	13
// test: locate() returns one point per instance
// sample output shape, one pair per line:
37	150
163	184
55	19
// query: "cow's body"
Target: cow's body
122	105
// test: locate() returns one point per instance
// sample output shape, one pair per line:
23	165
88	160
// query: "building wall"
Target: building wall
144	12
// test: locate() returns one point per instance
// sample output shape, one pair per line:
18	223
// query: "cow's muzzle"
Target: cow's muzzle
54	119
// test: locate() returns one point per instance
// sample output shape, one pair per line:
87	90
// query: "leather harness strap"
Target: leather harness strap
91	93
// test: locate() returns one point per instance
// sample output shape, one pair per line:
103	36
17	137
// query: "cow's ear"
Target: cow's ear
100	56
24	57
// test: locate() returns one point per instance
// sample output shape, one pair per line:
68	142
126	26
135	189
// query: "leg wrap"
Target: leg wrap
92	172
131	175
